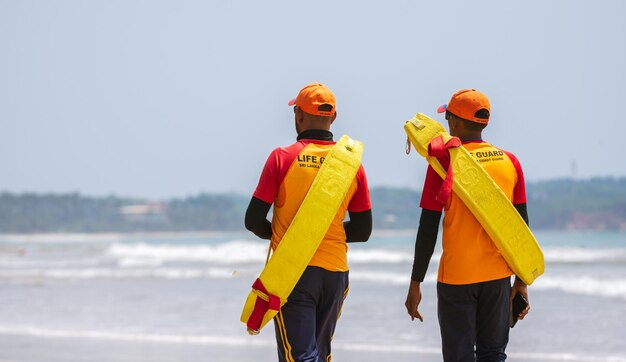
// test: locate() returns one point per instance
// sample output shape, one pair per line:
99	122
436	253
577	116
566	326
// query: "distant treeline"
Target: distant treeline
598	204
69	213
564	204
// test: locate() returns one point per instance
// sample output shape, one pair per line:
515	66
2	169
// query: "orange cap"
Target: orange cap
312	97
469	104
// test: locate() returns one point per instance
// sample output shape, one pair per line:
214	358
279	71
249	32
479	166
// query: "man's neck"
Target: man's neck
471	136
316	134
471	139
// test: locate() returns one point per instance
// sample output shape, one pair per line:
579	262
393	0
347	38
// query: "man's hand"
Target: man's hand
413	300
520	287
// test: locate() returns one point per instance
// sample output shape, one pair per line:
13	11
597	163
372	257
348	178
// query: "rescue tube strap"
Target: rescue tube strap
264	302
438	148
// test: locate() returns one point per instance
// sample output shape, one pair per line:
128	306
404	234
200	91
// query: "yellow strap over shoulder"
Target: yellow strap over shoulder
305	233
484	198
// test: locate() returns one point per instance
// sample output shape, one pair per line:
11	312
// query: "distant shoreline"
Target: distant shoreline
115	236
120	236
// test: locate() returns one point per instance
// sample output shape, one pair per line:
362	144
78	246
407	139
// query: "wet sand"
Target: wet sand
30	348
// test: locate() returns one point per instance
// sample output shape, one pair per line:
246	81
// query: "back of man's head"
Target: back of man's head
469	105
315	99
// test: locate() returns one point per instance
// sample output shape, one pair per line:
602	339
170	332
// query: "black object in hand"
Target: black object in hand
519	304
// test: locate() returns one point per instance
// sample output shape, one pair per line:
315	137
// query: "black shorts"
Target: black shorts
474	320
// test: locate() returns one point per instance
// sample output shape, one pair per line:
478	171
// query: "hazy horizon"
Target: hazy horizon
161	99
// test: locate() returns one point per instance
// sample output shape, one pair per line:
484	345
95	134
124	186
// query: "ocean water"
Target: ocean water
141	293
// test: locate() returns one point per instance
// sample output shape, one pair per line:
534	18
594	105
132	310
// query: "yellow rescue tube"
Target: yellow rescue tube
302	238
484	198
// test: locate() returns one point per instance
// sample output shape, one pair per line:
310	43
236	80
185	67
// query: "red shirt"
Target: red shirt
285	181
469	256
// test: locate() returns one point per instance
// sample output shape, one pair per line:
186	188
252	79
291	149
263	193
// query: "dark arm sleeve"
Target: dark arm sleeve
256	218
359	228
522	210
425	243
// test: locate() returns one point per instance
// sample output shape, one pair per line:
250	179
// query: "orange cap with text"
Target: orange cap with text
469	104
315	99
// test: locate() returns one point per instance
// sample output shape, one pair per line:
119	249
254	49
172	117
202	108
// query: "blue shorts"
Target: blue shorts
306	323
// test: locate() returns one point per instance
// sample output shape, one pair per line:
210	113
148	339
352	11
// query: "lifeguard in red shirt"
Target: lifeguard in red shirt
305	324
474	287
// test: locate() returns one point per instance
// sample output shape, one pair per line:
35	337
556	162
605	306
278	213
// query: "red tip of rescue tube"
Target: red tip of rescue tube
442	108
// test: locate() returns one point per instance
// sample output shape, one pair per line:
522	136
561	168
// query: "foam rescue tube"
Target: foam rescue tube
481	195
305	233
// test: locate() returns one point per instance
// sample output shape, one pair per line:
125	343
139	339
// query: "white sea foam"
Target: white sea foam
139	262
587	285
388	278
267	342
584	255
145	254
383	256
137	337
116	273
577	284
61	237
234	252
555	255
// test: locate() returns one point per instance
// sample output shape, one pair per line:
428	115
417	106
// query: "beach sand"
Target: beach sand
28	348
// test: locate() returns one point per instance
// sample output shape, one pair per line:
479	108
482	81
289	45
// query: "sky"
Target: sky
162	99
